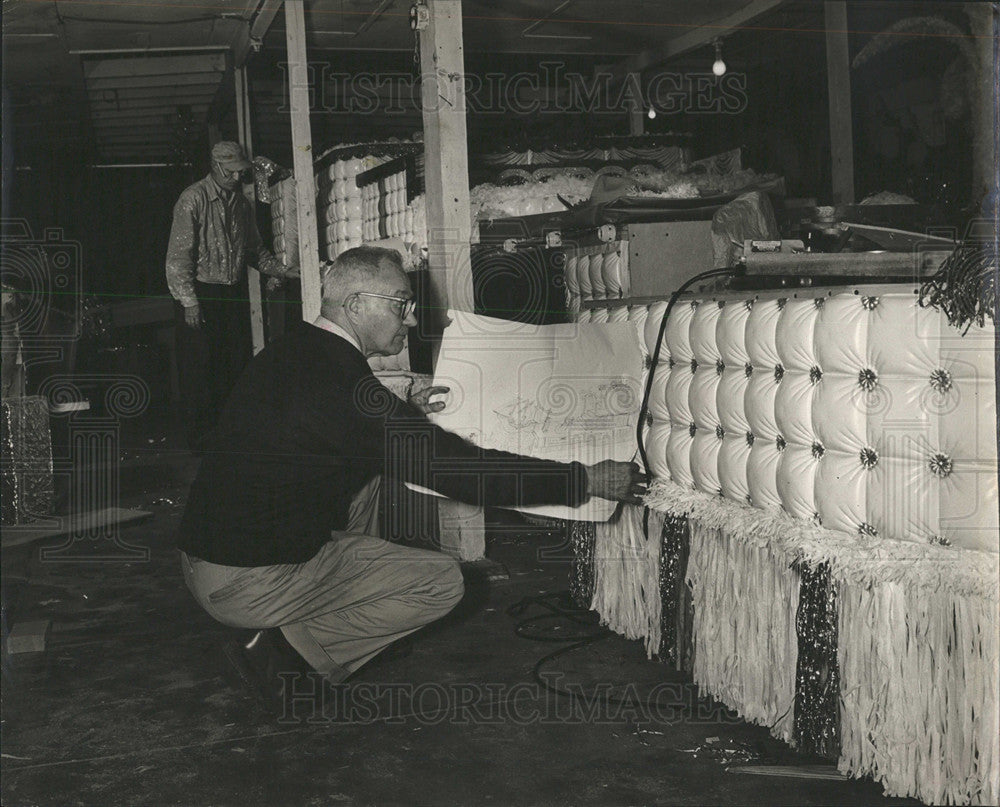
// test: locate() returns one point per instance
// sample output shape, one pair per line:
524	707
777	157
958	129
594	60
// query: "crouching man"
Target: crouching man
279	529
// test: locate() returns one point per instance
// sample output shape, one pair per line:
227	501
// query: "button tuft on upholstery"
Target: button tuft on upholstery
941	465
692	429
694	365
749	499
779	373
939	540
782	302
815	374
748	369
819	302
779	441
720	432
867	379
748	304
818	450
649	418
869	457
671	363
648	362
869	303
722	304
817	519
695	304
750	438
720	365
941	380
865	528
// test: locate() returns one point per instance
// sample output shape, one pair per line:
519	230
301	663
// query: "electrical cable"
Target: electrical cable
655	357
560	606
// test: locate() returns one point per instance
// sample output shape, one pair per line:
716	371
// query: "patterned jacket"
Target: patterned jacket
213	239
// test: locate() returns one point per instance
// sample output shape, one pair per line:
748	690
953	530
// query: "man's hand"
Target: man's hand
192	316
419	399
618	481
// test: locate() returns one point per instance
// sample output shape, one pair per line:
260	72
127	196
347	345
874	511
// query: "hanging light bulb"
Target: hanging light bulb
652	113
718	66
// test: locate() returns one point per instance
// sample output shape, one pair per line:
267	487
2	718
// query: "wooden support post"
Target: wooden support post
302	157
636	117
449	229
985	116
838	72
246	138
446	160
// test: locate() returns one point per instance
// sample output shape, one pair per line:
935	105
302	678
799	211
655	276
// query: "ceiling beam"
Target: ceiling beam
695	38
154	66
251	35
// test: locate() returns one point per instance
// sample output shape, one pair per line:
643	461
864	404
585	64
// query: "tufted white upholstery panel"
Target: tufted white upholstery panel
595	273
856	409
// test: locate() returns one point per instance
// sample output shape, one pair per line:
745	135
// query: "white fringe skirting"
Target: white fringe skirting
917	648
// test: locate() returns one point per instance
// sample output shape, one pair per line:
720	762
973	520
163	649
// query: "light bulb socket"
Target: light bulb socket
718	66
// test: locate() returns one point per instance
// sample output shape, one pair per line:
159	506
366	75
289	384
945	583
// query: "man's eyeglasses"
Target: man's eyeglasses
243	174
407	305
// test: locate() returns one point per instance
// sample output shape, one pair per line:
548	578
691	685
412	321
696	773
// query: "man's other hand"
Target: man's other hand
419	399
192	316
618	481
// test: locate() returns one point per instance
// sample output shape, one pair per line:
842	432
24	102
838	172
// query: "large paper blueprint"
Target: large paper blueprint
560	392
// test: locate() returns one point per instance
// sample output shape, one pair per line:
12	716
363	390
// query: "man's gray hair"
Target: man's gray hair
354	269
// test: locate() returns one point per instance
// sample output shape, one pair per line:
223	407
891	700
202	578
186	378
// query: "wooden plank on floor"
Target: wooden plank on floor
28	637
827	772
16	535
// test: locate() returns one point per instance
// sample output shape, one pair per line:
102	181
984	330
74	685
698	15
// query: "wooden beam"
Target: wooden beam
446	162
196	103
137	138
140	115
838	73
258	29
446	176
141	96
636	116
185	80
158	126
245	137
302	158
154	66
695	38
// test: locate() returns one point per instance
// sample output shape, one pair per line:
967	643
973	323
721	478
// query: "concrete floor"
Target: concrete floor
127	705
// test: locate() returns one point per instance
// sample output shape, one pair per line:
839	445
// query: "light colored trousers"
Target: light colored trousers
357	595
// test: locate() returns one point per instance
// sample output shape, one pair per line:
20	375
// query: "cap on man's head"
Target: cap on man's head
230	155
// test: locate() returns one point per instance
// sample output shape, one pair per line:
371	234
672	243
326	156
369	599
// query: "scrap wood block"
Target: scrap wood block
28	637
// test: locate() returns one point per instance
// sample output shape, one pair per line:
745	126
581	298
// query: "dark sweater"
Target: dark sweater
306	427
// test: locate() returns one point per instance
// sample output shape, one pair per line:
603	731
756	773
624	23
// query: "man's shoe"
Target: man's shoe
255	662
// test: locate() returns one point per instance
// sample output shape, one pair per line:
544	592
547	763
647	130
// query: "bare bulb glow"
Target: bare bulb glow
652	113
718	66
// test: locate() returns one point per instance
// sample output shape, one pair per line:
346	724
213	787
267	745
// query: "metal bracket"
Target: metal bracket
607	233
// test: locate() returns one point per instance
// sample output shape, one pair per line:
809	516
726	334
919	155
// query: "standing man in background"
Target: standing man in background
213	239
